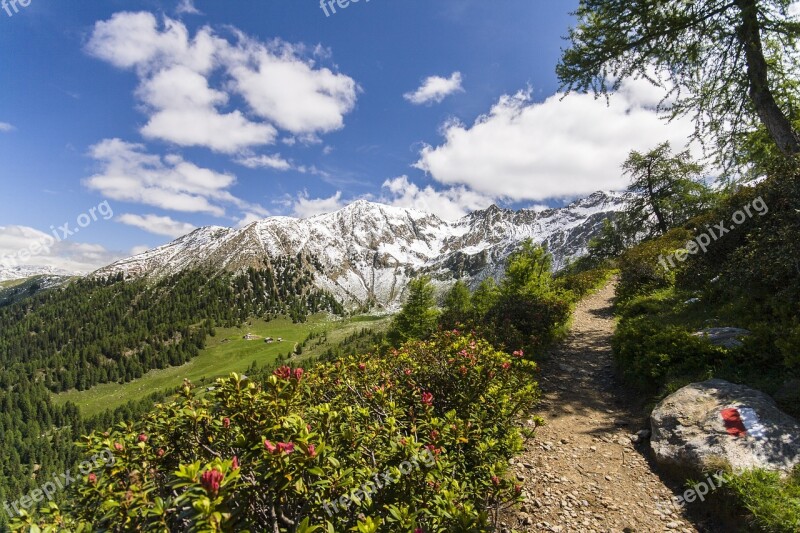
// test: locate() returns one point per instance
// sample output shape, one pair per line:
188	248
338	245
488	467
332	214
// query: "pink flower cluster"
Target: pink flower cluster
281	447
287	373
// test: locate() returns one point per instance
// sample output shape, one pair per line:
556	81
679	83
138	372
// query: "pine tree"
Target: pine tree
417	318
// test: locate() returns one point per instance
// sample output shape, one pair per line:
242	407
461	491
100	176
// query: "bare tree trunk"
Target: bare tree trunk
662	224
777	124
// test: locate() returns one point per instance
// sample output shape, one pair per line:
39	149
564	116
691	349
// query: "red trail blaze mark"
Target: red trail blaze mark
733	422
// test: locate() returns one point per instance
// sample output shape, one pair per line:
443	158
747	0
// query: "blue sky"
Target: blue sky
181	114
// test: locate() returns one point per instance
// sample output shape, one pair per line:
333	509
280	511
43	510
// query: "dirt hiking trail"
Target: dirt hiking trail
583	471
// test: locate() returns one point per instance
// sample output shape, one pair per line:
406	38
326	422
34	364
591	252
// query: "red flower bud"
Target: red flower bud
160	452
298	373
286	447
283	372
210	480
226	422
362	366
235	463
92	478
270	447
427	398
118	446
142	437
495	481
312	450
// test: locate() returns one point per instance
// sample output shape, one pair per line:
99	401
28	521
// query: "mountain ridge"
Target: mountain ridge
366	252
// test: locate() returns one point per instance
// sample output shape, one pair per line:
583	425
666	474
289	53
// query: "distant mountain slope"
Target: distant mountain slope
367	252
27	271
18	289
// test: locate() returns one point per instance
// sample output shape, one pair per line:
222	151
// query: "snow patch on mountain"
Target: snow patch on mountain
28	271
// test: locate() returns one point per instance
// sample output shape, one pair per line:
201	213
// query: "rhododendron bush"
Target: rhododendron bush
325	449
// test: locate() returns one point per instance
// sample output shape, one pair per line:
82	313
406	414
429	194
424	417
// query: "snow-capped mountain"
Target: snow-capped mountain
27	271
367	252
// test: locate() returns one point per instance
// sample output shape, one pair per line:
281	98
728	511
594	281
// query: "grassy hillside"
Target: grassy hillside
224	353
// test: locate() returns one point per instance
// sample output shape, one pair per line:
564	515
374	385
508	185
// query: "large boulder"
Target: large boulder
705	426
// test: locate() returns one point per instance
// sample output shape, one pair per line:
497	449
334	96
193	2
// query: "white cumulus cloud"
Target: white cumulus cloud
561	147
289	92
128	173
305	207
5	126
157	224
186	83
449	204
435	89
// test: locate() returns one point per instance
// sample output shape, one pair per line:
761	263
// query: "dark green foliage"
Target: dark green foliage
749	278
457	308
642	268
529	321
650	354
528	311
359	342
610	243
758	263
417	318
484	298
664	192
37	439
582	278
